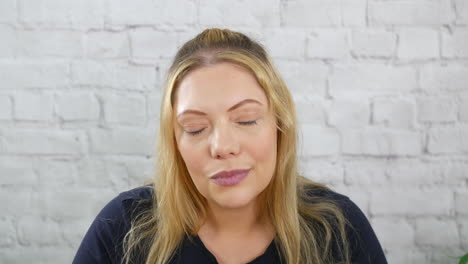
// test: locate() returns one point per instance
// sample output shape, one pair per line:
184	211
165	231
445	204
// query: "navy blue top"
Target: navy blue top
103	241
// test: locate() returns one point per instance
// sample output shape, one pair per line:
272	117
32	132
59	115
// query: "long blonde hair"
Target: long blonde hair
309	229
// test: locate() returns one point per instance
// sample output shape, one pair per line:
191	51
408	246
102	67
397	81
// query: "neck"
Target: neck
233	221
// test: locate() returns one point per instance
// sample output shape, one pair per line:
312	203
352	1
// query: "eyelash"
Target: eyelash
246	123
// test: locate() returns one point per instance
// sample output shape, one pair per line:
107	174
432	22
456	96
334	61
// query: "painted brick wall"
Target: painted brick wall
381	90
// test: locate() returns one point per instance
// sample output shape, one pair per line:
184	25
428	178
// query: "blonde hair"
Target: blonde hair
309	229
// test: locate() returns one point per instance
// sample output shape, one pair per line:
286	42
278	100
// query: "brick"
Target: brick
8	11
39	255
455	173
411	202
50	43
8	237
379	142
254	33
29	232
374	43
437	109
148	12
140	170
414	172
391	112
349	114
406	255
328	44
6	108
304	78
190	33
418	44
151	44
311	13
122	141
60	14
444	253
35	141
463	108
393	232
264	13
113	75
440	78
365	173
70	204
136	12
126	109
461	199
318	141
354	12
20	205
418	12
455	45
101	172
17	171
56	173
9	43
40	75
462	12
154	99
103	44
33	106
326	172
310	111
446	230
162	68
444	140
77	106
464	233
370	79
285	44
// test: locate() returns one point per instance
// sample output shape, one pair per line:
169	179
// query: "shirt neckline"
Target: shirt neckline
269	251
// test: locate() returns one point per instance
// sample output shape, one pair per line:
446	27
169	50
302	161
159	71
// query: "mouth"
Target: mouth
230	178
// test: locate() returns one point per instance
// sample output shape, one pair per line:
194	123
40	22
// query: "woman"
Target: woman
227	188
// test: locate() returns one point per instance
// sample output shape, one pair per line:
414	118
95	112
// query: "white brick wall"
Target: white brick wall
454	44
418	44
393	112
328	44
373	43
381	90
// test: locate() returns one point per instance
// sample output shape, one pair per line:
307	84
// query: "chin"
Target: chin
234	200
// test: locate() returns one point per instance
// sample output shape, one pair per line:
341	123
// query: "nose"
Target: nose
224	143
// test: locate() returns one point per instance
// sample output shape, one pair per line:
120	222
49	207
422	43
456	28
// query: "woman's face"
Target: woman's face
222	123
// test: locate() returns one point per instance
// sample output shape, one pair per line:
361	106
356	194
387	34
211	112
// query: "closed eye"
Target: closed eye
246	123
193	133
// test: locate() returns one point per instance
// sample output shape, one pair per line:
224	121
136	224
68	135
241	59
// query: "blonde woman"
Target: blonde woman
227	188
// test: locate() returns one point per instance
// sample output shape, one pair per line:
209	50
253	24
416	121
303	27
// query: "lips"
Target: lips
224	174
229	178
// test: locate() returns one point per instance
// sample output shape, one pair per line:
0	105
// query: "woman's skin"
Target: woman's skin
228	110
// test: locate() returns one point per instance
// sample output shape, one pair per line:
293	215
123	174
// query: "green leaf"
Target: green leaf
464	259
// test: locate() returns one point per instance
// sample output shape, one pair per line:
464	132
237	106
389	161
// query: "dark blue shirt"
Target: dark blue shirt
103	241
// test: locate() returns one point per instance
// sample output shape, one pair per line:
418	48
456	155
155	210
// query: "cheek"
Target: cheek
263	150
192	158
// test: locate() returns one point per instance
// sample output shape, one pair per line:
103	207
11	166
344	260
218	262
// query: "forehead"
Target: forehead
220	85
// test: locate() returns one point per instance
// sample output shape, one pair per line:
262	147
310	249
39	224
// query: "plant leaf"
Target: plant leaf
464	259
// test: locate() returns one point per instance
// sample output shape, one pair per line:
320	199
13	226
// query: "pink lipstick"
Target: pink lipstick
230	178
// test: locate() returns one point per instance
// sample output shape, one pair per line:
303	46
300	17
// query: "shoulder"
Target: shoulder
126	205
316	193
102	242
364	244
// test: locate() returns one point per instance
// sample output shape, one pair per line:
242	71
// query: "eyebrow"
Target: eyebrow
234	107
